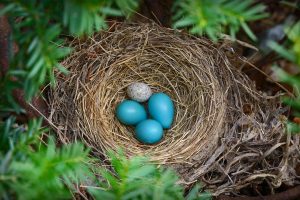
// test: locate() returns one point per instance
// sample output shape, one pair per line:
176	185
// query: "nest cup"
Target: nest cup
225	133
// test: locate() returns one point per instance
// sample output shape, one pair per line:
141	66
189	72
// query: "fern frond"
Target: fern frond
38	32
291	52
137	178
215	17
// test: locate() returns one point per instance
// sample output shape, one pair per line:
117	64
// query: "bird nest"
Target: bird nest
225	134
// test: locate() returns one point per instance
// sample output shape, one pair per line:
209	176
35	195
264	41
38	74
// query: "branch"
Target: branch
5	33
290	194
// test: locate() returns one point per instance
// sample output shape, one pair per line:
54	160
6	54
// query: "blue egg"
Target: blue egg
149	131
130	112
161	108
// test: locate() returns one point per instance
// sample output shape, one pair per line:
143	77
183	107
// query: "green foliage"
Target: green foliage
136	178
292	54
38	35
216	17
87	16
30	169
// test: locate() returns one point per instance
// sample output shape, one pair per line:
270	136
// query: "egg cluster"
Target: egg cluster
132	112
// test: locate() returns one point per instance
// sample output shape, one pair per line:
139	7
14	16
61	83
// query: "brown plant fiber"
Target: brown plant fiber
226	134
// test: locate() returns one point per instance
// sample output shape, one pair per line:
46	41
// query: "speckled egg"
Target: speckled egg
140	92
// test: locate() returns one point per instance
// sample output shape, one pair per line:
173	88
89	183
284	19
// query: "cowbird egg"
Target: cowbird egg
140	92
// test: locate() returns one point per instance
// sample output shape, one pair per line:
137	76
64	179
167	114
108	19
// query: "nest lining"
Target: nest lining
225	133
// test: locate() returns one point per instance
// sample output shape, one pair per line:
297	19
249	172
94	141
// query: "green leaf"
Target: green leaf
111	11
139	191
127	7
36	68
214	18
33	44
205	196
113	181
293	128
187	21
248	31
6	9
62	69
292	102
285	77
33	58
101	194
282	51
141	172
193	194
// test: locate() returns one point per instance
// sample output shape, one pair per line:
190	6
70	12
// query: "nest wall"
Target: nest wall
226	134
